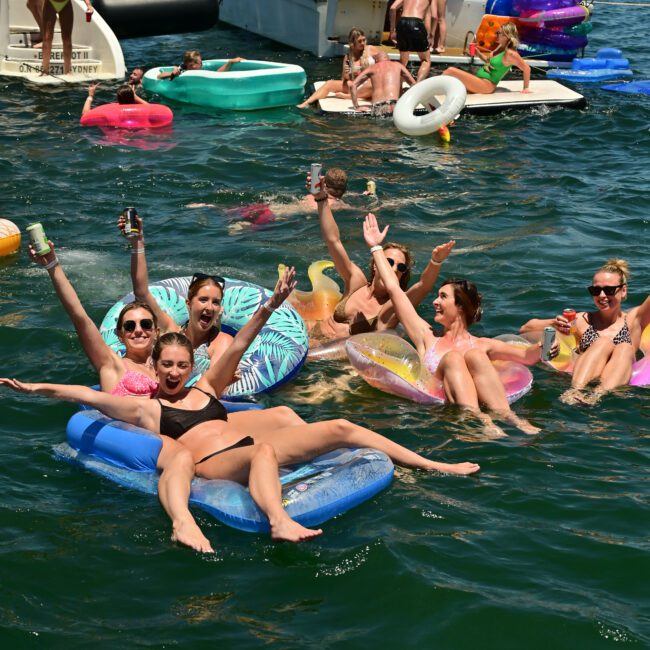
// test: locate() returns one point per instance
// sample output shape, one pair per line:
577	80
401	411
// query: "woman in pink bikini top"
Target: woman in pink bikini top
461	361
131	375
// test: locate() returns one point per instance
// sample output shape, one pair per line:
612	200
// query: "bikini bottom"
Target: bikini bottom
244	442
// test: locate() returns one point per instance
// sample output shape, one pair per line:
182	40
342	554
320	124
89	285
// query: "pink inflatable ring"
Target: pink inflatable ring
129	116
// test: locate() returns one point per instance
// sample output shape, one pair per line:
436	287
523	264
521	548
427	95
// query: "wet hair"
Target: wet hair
197	285
616	266
191	56
406	276
509	30
136	304
355	32
172	338
125	94
467	298
336	182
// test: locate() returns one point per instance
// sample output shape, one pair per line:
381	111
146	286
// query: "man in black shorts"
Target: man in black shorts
412	32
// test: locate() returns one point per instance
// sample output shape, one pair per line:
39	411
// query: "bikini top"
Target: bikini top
432	359
590	335
356	68
175	422
358	327
135	384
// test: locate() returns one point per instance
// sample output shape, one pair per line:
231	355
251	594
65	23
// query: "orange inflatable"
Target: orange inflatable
9	237
486	34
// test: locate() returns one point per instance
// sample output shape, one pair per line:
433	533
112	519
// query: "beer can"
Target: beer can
472	48
549	337
38	239
371	187
131	228
315	177
570	315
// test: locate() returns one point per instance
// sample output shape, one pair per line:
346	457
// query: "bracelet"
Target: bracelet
378	247
435	262
139	250
52	264
323	198
269	307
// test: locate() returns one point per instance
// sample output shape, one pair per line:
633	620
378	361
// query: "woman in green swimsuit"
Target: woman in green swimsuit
497	64
62	9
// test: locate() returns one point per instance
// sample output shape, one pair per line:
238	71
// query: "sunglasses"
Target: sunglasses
217	279
609	290
130	325
401	267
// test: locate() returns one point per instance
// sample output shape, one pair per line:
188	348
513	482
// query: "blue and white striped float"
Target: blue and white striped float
312	492
274	357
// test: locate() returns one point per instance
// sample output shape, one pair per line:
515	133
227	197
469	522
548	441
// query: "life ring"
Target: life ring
312	492
424	92
129	116
274	357
393	365
9	237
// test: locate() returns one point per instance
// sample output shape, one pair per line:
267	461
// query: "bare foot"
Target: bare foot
490	428
461	469
288	530
189	534
590	400
440	50
572	396
521	424
303	105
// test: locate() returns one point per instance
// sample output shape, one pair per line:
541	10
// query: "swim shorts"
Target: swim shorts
383	109
412	35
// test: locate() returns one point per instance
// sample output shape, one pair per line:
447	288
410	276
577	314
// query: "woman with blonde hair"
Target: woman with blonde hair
358	58
497	64
607	339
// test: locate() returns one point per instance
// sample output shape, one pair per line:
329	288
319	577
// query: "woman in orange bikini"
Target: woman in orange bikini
62	9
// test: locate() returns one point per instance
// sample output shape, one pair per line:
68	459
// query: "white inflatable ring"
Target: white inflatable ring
424	92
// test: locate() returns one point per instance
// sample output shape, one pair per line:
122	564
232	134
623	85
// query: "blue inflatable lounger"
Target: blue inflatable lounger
312	492
641	87
608	64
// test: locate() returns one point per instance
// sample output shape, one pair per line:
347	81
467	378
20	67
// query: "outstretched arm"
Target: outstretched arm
416	327
560	323
407	76
140	276
134	410
98	353
643	313
226	66
393	19
89	100
352	276
515	59
354	86
219	375
527	354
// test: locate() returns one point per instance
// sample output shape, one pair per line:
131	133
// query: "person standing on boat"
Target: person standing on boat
386	79
412	32
62	9
497	64
192	60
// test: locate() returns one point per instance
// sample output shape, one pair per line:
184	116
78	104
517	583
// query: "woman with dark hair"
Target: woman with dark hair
461	361
209	445
607	338
366	305
137	328
497	64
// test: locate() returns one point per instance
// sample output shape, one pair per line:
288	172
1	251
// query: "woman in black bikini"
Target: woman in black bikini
196	433
365	306
607	339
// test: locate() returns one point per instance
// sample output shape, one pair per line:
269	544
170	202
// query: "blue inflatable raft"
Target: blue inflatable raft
641	87
312	492
274	357
608	64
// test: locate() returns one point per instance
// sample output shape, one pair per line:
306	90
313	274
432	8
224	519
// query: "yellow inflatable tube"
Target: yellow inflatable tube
9	237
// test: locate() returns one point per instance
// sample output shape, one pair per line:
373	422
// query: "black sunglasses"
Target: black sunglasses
609	290
145	324
401	267
217	279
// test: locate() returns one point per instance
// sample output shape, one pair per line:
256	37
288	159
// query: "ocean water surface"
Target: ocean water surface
546	547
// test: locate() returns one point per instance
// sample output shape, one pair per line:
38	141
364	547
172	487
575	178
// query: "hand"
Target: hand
371	232
16	385
89	8
555	349
320	184
285	285
362	109
42	260
527	91
237	59
441	252
92	88
561	324
121	224
393	36
236	376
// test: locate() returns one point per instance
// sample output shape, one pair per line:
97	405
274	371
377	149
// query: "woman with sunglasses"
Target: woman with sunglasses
136	327
462	362
607	339
213	447
366	305
497	64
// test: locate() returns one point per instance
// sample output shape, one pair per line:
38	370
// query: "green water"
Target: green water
546	548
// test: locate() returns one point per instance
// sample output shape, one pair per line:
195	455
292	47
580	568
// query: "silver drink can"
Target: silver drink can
315	177
131	228
38	239
549	337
